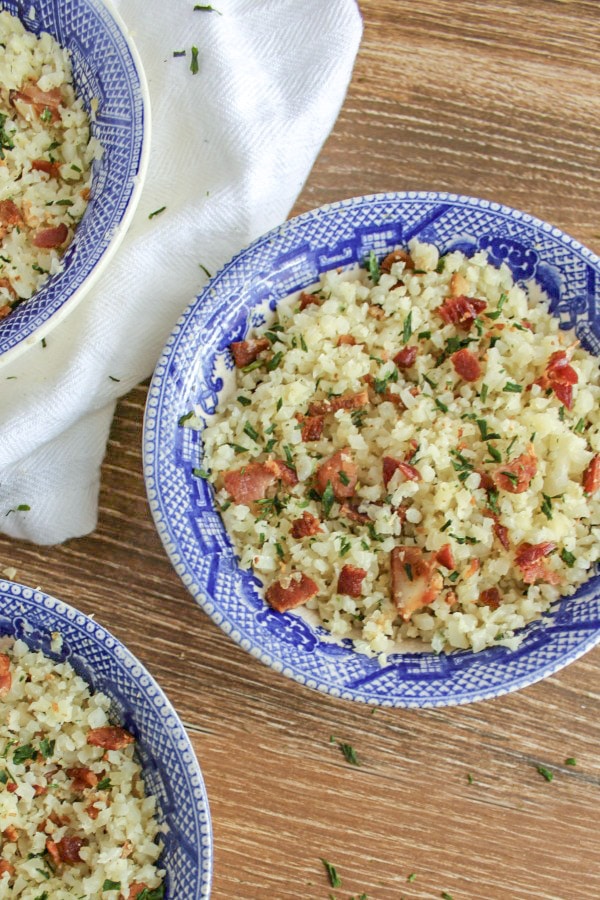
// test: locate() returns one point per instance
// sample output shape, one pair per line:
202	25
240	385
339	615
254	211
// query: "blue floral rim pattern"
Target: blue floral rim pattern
187	377
106	69
171	771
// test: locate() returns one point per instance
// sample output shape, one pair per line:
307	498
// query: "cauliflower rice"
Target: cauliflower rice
488	510
46	154
73	816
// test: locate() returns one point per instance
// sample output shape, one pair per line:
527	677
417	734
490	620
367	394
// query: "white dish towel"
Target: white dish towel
231	148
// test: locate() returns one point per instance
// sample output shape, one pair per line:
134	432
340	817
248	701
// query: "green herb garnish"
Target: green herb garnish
328	499
251	432
23	753
273	363
570	761
407	330
111	885
545	773
157	212
194	68
373	267
567	558
47	748
334	879
511	388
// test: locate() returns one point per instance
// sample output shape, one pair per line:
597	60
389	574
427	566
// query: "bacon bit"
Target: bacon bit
466	365
338	465
11	787
391	465
59	821
40	100
10	216
5	675
307	299
350	580
349	512
311	427
111	737
282	471
501	532
397	255
560	376
249	483
92	811
376	312
68	848
7	284
52	849
39	790
523	468
527	324
591	476
82	778
50	238
415	581
306	526
451	598
136	889
391	397
85	193
406	357
245	352
530	559
461	311
5	310
44	165
490	597
458	285
346	401
445	557
6	868
10	834
346	339
298	591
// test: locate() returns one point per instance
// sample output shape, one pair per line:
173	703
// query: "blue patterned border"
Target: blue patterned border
278	263
106	67
171	770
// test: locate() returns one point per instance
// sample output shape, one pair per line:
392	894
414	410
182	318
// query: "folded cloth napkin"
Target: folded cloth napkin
231	148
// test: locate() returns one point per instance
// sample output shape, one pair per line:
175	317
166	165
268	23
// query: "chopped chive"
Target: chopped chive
511	388
328	499
194	68
578	429
570	761
407	330
184	418
178	52
372	266
546	506
256	364
157	212
245	401
279	549
111	885
200	473
424	335
545	773
441	406
568	558
206	7
446	525
494	453
251	432
430	381
349	753
512	443
484	392
205	270
334	879
275	360
238	448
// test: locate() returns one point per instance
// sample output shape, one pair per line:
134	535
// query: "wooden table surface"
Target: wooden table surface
494	98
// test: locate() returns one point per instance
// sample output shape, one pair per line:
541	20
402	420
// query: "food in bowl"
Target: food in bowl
46	155
74	817
412	451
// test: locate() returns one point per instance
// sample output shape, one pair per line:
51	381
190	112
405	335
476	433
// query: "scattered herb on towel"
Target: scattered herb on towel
194	68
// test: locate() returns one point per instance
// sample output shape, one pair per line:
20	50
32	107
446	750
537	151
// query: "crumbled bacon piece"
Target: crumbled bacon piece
10	215
461	311
349	512
466	365
11	787
515	477
44	165
559	376
530	559
306	526
111	737
5	675
92	811
39	790
40	100
68	848
7	285
415	581
346	339
50	238
296	590
11	834
52	849
341	470
350	580
6	868
136	888
375	311
6	309
82	778
501	532
282	471
406	357
591	476
307	299
246	352
490	597
397	255
311	427
345	401
445	557
249	483
407	470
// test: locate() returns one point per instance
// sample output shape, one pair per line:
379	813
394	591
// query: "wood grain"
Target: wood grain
494	99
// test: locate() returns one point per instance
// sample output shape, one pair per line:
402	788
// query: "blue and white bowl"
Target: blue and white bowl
171	770
287	259
106	69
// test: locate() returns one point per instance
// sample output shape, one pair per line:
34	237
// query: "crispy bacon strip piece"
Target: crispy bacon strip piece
349	512
350	580
311	427
397	255
530	559
50	238
82	778
44	165
341	470
406	357
445	557
515	477
591	476
461	311
249	483
306	526
111	737
40	100
415	581
10	214
294	591
245	352
345	401
407	470
466	365
490	597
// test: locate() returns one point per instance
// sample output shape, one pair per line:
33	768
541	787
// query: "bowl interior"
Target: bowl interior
106	70
171	771
193	370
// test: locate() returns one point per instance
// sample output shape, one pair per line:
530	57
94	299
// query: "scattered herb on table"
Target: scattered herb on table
545	773
570	761
334	879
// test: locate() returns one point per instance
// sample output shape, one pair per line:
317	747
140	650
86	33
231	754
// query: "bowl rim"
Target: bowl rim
11	592
39	328
153	412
